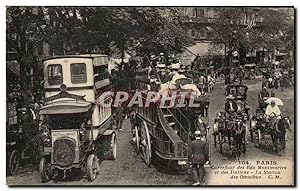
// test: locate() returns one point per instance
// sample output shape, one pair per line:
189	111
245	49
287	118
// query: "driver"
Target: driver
272	110
262	97
230	105
264	92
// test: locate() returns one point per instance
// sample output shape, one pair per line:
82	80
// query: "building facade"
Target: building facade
199	22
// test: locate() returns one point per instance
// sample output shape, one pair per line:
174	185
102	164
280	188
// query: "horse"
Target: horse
235	131
218	128
239	137
224	129
278	132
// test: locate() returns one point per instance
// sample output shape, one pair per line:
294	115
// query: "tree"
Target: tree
112	31
169	34
22	37
264	28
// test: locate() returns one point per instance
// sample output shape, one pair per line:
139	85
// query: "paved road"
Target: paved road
129	168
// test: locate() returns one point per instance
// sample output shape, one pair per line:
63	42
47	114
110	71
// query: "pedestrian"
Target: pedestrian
119	116
202	125
198	156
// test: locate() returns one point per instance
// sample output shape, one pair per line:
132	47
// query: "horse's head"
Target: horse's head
239	126
286	122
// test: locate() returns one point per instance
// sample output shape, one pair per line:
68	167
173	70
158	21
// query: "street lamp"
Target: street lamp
234	48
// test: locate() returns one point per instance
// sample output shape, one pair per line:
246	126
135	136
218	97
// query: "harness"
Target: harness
273	124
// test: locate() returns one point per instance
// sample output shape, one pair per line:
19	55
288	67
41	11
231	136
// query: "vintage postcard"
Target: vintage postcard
112	96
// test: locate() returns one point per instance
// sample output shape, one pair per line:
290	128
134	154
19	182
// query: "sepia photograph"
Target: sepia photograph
150	96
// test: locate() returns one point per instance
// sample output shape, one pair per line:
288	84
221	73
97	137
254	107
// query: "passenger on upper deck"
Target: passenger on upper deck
171	83
161	71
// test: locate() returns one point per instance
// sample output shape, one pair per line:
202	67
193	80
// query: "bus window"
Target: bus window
55	74
78	73
101	73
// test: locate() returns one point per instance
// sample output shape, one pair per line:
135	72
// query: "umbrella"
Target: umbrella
275	99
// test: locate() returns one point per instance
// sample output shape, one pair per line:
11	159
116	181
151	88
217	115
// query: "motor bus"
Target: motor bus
76	129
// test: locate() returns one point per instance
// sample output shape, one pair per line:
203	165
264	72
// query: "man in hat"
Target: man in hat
264	92
119	117
198	156
170	72
230	105
162	58
272	110
227	79
202	125
201	82
272	113
262	97
175	68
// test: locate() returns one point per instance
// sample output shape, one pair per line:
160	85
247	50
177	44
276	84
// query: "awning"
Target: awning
66	107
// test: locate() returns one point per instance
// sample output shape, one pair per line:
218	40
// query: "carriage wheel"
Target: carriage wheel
45	170
92	167
259	136
145	143
137	139
113	147
109	147
13	162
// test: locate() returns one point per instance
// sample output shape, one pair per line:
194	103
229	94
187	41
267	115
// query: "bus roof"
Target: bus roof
92	56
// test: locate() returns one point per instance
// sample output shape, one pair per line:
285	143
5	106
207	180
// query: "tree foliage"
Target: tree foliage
268	28
99	29
109	30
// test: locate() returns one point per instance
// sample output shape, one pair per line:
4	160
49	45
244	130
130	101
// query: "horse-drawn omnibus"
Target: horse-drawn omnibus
167	131
250	72
76	129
